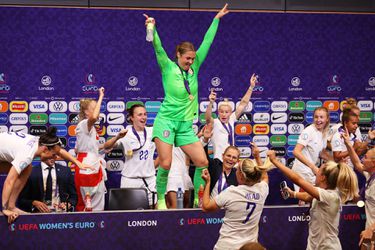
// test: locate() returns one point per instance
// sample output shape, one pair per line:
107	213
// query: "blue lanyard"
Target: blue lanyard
220	183
230	133
139	138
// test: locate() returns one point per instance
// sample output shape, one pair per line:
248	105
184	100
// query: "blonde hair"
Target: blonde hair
342	177
326	127
251	171
224	103
83	105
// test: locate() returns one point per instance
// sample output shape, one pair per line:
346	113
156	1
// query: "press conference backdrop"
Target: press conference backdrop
51	58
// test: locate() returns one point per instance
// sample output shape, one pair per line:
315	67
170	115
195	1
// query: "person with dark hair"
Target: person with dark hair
20	149
335	184
243	204
91	181
47	183
138	148
173	124
252	246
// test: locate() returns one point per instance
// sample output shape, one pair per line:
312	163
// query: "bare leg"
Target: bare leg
172	199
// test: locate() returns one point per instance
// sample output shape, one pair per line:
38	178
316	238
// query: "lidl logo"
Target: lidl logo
296	106
331	105
365	117
18	106
278	140
38	118
242	129
312	105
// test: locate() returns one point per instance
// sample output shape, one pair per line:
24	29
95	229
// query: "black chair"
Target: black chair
128	199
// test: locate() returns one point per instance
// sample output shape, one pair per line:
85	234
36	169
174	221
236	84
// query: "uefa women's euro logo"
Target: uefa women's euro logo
334	87
89	86
4	88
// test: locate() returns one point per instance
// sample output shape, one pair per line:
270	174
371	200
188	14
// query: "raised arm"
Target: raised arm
246	98
294	177
209	205
256	153
208	115
352	154
95	115
297	152
112	142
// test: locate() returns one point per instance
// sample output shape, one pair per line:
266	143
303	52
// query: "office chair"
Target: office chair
128	199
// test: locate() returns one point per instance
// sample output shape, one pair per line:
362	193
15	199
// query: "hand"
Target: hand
206	176
365	235
346	137
254	149
62	206
41	206
371	134
212	96
290	192
149	19
207	131
222	12
253	80
272	155
101	91
122	133
85	166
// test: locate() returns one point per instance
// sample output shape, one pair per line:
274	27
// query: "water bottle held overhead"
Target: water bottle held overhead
150	29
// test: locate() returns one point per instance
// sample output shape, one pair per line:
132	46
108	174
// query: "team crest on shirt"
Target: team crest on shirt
190	71
23	165
304	136
166	133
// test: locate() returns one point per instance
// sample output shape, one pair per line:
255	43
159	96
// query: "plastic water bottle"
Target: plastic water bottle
88	207
150	31
180	198
200	196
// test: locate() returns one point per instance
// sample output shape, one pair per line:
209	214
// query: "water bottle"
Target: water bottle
88	207
200	196
180	198
150	30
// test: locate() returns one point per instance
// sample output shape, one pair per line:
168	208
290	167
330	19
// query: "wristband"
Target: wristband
295	195
251	88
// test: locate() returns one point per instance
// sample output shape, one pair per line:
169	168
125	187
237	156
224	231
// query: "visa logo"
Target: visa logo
39	106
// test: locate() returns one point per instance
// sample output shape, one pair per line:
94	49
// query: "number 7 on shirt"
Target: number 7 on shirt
251	206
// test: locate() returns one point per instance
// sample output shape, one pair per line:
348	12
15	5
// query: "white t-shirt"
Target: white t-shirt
324	223
370	201
338	145
313	142
219	137
87	141
139	163
334	128
243	207
18	149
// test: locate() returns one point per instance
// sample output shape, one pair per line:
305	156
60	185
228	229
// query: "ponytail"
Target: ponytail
251	171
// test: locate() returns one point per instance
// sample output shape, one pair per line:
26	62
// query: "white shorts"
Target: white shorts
184	182
138	182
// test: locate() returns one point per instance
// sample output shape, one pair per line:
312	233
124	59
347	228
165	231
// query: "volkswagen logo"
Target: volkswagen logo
215	81
58	106
296	128
46	80
371	81
115	165
295	81
133	81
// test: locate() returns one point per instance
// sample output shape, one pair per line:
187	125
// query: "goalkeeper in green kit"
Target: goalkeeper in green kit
173	124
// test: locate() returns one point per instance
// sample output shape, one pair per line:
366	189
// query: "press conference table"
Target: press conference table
281	227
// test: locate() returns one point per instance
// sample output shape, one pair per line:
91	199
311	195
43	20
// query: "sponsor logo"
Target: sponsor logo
295	82
113	130
72	130
279	106
245	152
365	117
37	130
116	118
58	118
365	105
334	117
152	106
62	130
261	118
103	106
279	117
63	142
116	106
203	106
312	105
3	129
115	154
38	106
278	129
309	117
262	106
292	139
202	117
242	129
18	118
248	108
89	86
131	103
215	81
280	151
73	118
290	162
151	118
261	140
46	81
334	88
331	105
115	165
3	118
261	129
18	106
58	106
290	151
74	106
38	118
278	140
296	106
295	128
133	82
263	152
245	118
364	127
4	88
72	142
296	117
3	106
18	129
242	141
371	83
